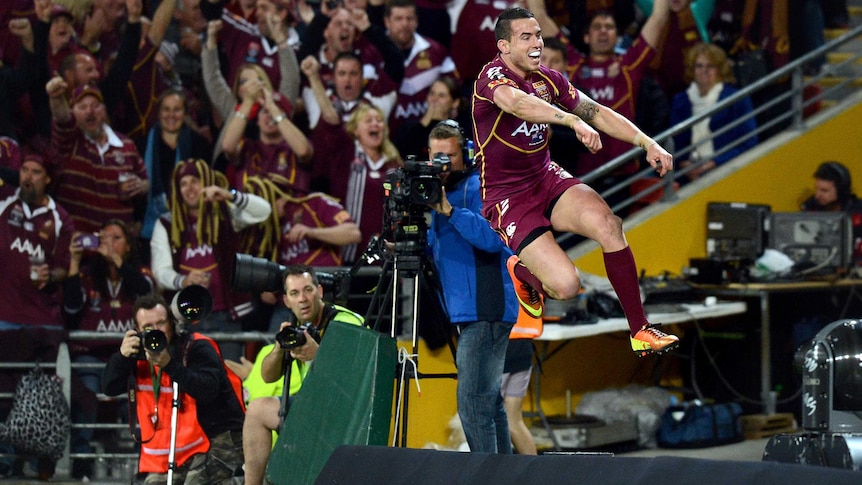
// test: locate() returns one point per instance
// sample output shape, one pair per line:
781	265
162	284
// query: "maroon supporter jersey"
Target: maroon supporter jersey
513	152
242	42
44	233
428	60
194	255
107	312
314	210
88	186
137	111
261	159
473	41
613	83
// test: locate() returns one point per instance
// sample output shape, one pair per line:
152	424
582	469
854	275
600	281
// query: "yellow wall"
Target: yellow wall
781	179
666	242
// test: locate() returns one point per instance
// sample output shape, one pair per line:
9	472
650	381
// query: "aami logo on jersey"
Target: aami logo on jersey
114	326
26	247
204	250
410	110
534	131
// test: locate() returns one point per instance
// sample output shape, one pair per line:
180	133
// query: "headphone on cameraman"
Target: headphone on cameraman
468	152
839	174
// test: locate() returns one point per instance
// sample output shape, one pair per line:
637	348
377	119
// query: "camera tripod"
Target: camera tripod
422	274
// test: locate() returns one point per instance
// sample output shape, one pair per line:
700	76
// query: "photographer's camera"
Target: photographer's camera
153	340
293	337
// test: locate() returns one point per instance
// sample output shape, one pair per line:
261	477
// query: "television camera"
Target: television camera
408	192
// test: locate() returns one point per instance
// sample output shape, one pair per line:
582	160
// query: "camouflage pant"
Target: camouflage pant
217	466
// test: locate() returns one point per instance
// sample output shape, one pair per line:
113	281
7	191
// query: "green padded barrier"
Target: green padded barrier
346	399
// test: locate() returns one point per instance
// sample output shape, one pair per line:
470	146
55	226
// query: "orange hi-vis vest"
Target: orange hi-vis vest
155	417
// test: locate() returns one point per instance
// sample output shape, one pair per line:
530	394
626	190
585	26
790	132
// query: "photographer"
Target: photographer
303	296
209	420
480	297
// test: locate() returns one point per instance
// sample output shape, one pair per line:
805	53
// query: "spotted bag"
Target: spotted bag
38	423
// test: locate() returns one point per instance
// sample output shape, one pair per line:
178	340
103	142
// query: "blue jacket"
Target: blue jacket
471	260
680	111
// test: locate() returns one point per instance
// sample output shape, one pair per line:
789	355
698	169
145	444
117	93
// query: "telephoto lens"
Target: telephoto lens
154	340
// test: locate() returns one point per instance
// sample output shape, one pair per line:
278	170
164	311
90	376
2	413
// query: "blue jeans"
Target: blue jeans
480	357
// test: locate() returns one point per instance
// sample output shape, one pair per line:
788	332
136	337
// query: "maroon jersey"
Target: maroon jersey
194	255
88	186
137	111
106	312
258	158
43	233
613	83
428	60
512	153
669	66
314	210
243	42
473	41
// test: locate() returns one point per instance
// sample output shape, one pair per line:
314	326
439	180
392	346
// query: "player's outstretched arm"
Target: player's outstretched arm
618	126
537	110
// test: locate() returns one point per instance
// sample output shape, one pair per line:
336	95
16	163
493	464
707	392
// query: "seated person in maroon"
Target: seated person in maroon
280	148
196	242
98	297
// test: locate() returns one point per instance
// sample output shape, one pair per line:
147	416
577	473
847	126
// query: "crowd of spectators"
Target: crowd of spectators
165	124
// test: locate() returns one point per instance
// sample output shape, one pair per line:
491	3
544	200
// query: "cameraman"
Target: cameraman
480	298
303	296
209	420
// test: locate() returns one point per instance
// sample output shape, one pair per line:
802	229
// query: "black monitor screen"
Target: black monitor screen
736	230
820	239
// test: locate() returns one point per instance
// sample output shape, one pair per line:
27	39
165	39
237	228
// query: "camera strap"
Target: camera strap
133	405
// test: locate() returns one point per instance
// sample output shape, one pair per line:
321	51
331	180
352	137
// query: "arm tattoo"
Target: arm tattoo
587	110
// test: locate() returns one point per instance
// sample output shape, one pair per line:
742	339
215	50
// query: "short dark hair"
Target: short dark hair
150	301
398	4
299	270
556	44
447	129
602	12
350	56
503	29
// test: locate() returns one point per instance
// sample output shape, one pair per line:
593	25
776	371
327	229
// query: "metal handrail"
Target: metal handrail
794	71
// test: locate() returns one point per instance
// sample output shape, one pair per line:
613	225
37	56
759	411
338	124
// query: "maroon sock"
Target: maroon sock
526	276
622	272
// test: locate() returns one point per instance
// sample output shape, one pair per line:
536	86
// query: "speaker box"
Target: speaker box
373	464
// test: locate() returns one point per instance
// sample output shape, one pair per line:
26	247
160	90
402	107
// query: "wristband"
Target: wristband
240	115
643	141
278	119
